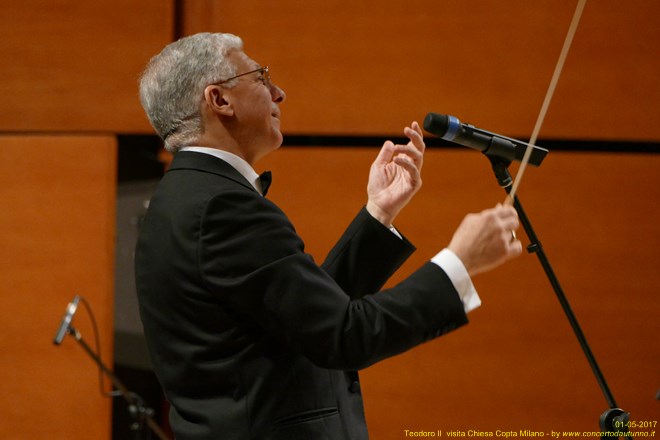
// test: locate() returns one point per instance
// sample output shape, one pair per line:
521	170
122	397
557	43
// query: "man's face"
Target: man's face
255	101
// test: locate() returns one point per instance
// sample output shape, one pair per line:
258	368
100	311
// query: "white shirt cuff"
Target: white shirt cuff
458	274
395	232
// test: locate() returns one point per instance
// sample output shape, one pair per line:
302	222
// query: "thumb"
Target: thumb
386	153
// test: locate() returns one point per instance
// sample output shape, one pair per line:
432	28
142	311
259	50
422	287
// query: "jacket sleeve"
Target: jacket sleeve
251	259
366	256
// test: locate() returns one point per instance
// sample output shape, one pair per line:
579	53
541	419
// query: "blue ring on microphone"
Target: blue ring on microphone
453	124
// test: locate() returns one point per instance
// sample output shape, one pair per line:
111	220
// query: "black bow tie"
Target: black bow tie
265	178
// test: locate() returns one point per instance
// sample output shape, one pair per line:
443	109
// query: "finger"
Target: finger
415	136
415	126
414	151
386	153
411	152
406	163
508	225
510	217
515	248
505	211
501	216
414	131
505	208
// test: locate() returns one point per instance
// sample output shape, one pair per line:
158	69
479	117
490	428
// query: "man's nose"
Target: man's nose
277	93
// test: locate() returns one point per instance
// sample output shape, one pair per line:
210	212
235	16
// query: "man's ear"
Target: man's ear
217	101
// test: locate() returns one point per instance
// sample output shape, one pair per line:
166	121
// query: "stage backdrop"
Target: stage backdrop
364	66
56	230
69	86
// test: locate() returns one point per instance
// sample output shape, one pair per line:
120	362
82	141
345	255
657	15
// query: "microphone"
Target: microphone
493	145
68	316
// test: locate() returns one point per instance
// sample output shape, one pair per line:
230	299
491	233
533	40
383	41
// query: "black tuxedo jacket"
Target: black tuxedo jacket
250	338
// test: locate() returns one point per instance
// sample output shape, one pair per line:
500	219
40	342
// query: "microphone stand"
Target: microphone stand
136	407
614	420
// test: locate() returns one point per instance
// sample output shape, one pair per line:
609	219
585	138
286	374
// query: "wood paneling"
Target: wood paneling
74	66
368	67
362	68
358	68
517	365
57	235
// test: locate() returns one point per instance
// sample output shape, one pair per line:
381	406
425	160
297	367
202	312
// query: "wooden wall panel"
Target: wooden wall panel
74	66
517	365
369	67
57	234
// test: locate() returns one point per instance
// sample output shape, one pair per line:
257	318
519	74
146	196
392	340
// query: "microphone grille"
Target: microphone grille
436	124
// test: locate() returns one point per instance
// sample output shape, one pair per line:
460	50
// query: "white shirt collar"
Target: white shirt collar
236	162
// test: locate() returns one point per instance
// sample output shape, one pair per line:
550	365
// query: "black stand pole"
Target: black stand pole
136	407
614	420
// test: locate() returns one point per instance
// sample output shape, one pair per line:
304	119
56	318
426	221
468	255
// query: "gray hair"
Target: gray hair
172	85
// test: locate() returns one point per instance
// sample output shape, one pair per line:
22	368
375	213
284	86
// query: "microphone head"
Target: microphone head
445	126
66	321
436	123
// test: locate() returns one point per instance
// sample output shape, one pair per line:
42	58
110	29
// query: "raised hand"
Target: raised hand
395	176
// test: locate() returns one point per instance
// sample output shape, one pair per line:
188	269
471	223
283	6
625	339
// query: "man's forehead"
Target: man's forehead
241	59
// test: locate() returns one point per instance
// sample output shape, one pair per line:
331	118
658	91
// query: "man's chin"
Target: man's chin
279	140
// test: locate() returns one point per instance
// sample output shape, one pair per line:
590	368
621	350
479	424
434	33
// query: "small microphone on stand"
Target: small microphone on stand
495	145
66	321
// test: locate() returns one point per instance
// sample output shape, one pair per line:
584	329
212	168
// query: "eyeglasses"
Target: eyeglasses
262	70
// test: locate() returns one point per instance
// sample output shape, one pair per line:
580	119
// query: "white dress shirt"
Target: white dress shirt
446	259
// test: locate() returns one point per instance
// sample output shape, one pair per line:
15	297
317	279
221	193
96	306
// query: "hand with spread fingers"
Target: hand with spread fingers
395	176
485	240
